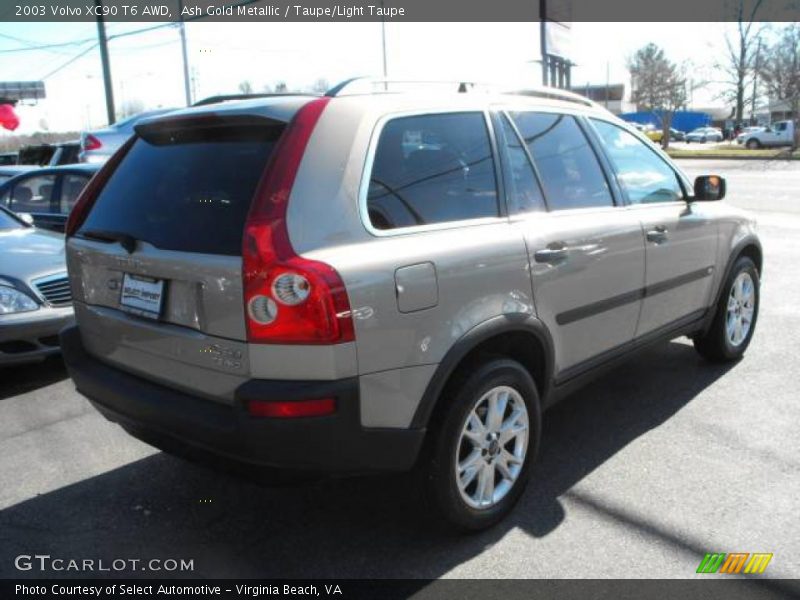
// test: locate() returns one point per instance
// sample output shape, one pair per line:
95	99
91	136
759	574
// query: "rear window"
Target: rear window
187	189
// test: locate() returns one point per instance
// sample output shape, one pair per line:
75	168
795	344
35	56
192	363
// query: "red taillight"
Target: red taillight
289	299
289	410
90	142
89	194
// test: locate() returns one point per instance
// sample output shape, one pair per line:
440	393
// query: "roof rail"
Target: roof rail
555	94
462	86
231	97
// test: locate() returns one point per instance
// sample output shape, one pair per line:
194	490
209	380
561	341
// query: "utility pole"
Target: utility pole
543	39
186	85
755	84
383	46
103	42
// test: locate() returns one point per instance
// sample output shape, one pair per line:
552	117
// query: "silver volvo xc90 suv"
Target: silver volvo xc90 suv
385	281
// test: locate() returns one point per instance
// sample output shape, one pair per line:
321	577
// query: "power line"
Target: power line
93	46
70	61
33	46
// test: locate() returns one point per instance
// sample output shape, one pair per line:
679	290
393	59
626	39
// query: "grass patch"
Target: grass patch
735	152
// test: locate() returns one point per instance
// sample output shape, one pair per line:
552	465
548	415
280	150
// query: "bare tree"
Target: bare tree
245	87
321	86
130	107
739	65
780	72
658	85
281	87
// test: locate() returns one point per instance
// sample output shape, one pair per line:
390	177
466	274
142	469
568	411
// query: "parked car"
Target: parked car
46	194
676	135
35	297
780	133
53	155
704	134
653	133
326	295
8	158
98	145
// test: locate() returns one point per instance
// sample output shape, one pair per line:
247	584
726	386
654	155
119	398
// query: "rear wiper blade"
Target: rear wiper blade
125	240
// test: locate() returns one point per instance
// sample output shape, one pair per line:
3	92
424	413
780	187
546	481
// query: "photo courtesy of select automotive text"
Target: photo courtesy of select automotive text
400	299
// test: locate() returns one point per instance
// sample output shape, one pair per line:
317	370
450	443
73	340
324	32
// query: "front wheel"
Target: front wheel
485	445
735	320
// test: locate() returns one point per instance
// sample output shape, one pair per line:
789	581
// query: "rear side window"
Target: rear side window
187	189
571	175
432	169
645	177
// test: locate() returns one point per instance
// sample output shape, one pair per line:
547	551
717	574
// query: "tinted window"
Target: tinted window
432	169
524	192
71	187
186	190
33	194
571	175
644	176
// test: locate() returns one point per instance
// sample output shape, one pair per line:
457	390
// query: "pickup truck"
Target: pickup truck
780	133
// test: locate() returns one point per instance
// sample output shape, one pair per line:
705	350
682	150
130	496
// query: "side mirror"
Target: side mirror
709	187
26	217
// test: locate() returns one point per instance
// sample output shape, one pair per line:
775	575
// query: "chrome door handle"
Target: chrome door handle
658	234
550	255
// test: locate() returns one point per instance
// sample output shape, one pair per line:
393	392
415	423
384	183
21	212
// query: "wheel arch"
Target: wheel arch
748	246
520	337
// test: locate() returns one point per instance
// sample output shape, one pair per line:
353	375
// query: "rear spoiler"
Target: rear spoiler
233	97
191	126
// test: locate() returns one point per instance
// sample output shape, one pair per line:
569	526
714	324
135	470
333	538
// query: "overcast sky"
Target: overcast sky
147	67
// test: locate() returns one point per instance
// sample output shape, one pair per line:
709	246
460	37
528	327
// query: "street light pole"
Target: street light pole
383	46
543	38
187	90
103	42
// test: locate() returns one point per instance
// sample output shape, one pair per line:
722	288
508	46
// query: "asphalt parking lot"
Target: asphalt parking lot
640	474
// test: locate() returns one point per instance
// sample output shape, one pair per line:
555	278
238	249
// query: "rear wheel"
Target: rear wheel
485	445
753	144
735	320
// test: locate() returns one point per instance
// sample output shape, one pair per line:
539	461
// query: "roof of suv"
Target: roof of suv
283	107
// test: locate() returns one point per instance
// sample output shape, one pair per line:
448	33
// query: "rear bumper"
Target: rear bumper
175	420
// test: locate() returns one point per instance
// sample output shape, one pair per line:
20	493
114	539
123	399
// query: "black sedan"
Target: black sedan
46	194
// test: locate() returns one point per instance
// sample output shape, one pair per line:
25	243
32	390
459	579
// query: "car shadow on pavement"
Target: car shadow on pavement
26	378
161	506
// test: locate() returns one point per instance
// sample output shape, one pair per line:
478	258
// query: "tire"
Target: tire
723	342
450	506
753	144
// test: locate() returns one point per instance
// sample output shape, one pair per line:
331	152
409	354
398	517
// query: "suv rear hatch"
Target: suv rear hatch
156	264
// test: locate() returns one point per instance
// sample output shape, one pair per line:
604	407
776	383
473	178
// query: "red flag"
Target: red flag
8	118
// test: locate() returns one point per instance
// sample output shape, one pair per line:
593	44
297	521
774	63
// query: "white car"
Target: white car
704	134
